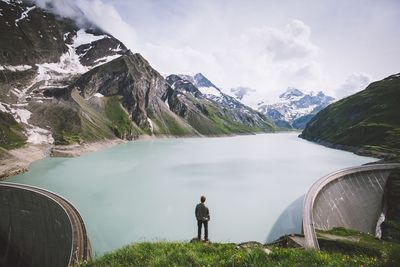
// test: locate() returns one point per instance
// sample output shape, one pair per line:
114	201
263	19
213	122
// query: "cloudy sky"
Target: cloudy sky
331	45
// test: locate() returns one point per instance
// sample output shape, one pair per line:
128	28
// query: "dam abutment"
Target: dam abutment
351	198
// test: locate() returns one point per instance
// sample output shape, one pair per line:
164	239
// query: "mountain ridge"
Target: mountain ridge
87	86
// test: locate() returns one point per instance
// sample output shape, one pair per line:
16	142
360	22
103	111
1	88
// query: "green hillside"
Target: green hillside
11	133
367	122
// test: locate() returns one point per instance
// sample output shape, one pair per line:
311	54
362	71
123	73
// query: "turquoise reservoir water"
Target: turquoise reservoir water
147	190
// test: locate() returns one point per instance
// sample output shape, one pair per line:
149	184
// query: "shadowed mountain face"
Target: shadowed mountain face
63	83
31	35
367	122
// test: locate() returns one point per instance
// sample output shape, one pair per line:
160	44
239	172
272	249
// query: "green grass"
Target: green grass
11	133
218	254
121	123
169	126
353	243
221	123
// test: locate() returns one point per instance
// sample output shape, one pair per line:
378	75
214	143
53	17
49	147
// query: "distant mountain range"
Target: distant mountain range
367	122
292	110
295	108
65	83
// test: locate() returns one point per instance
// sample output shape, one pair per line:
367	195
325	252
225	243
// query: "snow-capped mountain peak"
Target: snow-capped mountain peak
295	108
205	86
291	94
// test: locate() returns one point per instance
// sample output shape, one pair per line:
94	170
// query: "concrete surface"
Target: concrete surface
39	228
350	198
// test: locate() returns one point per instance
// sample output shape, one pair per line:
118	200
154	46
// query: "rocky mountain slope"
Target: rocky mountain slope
63	83
295	108
208	110
367	122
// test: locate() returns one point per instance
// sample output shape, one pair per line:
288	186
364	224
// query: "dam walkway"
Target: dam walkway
40	228
351	198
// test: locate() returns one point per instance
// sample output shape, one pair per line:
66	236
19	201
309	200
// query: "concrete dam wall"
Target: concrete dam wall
39	228
350	198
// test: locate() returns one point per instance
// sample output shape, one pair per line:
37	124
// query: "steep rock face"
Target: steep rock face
28	37
31	35
295	108
366	122
210	111
140	87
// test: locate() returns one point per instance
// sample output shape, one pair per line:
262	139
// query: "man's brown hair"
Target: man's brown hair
203	199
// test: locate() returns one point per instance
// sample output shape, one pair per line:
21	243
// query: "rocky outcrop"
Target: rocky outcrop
141	89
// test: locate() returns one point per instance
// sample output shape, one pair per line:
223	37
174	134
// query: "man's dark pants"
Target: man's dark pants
205	223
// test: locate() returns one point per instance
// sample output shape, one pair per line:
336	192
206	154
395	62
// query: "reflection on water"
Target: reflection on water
147	190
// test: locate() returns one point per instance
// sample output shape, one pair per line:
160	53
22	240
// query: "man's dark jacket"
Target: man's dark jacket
202	212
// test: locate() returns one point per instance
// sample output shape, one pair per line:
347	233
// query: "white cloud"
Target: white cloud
266	59
291	43
353	84
101	14
241	91
107	17
63	8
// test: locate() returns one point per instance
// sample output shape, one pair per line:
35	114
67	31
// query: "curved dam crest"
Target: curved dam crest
39	228
351	198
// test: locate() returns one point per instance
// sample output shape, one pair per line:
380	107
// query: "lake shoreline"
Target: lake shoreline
381	156
18	160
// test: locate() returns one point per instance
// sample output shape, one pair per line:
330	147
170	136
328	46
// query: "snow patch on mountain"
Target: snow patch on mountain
3	108
24	14
294	104
15	68
9	1
51	74
210	91
35	135
83	37
104	60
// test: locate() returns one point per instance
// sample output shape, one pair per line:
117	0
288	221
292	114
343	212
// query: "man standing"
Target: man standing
202	216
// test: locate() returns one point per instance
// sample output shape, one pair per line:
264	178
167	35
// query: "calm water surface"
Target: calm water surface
147	190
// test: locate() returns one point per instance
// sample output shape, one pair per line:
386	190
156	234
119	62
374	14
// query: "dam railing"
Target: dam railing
350	198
